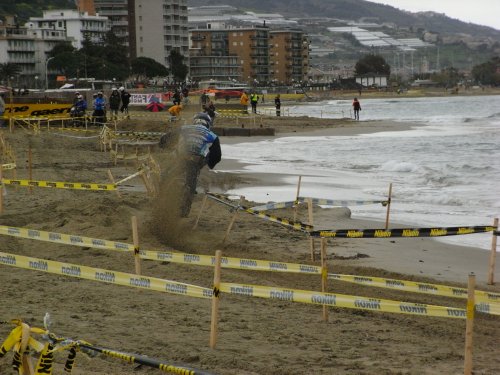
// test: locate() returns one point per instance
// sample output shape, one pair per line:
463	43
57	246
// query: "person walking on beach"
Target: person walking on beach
125	96
254	99
277	104
114	103
244	101
357	107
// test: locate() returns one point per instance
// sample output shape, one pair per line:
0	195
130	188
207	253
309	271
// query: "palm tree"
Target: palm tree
8	70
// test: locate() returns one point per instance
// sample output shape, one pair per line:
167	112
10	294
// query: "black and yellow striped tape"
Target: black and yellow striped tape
60	185
402	232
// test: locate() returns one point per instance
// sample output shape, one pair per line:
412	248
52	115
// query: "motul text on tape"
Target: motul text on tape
340	203
60	185
401	232
285	222
486	302
341	300
103	275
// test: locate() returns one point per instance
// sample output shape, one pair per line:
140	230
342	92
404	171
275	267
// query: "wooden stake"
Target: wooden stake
388	207
324	276
215	300
30	170
135	235
25	359
112	179
1	189
311	222
469	324
493	254
233	219
296	200
203	203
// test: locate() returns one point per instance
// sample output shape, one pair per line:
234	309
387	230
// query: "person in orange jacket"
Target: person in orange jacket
244	101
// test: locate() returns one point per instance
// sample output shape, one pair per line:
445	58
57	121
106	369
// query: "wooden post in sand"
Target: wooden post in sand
26	359
388	207
30	169
469	324
311	223
112	179
203	203
324	276
1	189
233	219
135	235
296	200
491	268
215	299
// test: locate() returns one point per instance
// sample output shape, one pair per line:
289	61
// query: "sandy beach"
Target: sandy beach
256	335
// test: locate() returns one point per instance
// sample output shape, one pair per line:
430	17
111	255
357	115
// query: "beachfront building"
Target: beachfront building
117	13
289	55
27	46
77	25
262	55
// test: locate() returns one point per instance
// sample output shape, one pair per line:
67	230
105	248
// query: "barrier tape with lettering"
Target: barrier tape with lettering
57	344
60	185
402	232
104	275
487	302
274	206
340	203
256	265
342	300
9	166
285	222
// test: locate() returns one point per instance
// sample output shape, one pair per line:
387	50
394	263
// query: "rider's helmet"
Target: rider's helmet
203	119
80	97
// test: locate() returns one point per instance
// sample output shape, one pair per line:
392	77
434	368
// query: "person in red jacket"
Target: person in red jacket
357	107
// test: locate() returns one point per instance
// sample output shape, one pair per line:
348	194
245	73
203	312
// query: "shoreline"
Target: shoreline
428	257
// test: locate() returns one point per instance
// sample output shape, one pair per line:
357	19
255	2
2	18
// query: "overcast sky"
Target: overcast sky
482	12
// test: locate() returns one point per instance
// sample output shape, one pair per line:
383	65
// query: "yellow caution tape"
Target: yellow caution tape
274	206
402	232
60	185
342	300
9	166
103	275
340	203
67	239
285	222
487	302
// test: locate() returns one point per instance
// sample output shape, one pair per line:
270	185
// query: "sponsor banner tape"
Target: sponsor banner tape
9	166
104	275
487	302
342	300
340	203
67	239
402	232
285	222
273	206
60	185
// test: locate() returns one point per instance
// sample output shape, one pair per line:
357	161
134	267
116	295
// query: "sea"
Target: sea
444	171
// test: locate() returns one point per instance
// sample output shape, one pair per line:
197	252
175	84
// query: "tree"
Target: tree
372	64
147	67
64	58
487	73
177	66
8	70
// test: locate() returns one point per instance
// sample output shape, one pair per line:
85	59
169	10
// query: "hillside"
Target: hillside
32	8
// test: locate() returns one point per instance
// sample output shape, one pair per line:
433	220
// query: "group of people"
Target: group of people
253	99
119	100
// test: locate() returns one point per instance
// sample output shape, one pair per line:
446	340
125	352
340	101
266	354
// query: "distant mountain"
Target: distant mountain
356	9
25	9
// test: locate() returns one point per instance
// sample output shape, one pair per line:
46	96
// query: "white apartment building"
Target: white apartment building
77	25
28	47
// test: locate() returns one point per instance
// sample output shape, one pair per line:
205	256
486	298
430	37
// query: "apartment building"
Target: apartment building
289	55
27	47
262	54
77	25
117	13
157	27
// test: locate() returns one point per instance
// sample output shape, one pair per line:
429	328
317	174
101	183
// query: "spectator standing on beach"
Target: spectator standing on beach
125	96
114	103
176	98
99	109
356	107
175	111
254	99
277	104
244	101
